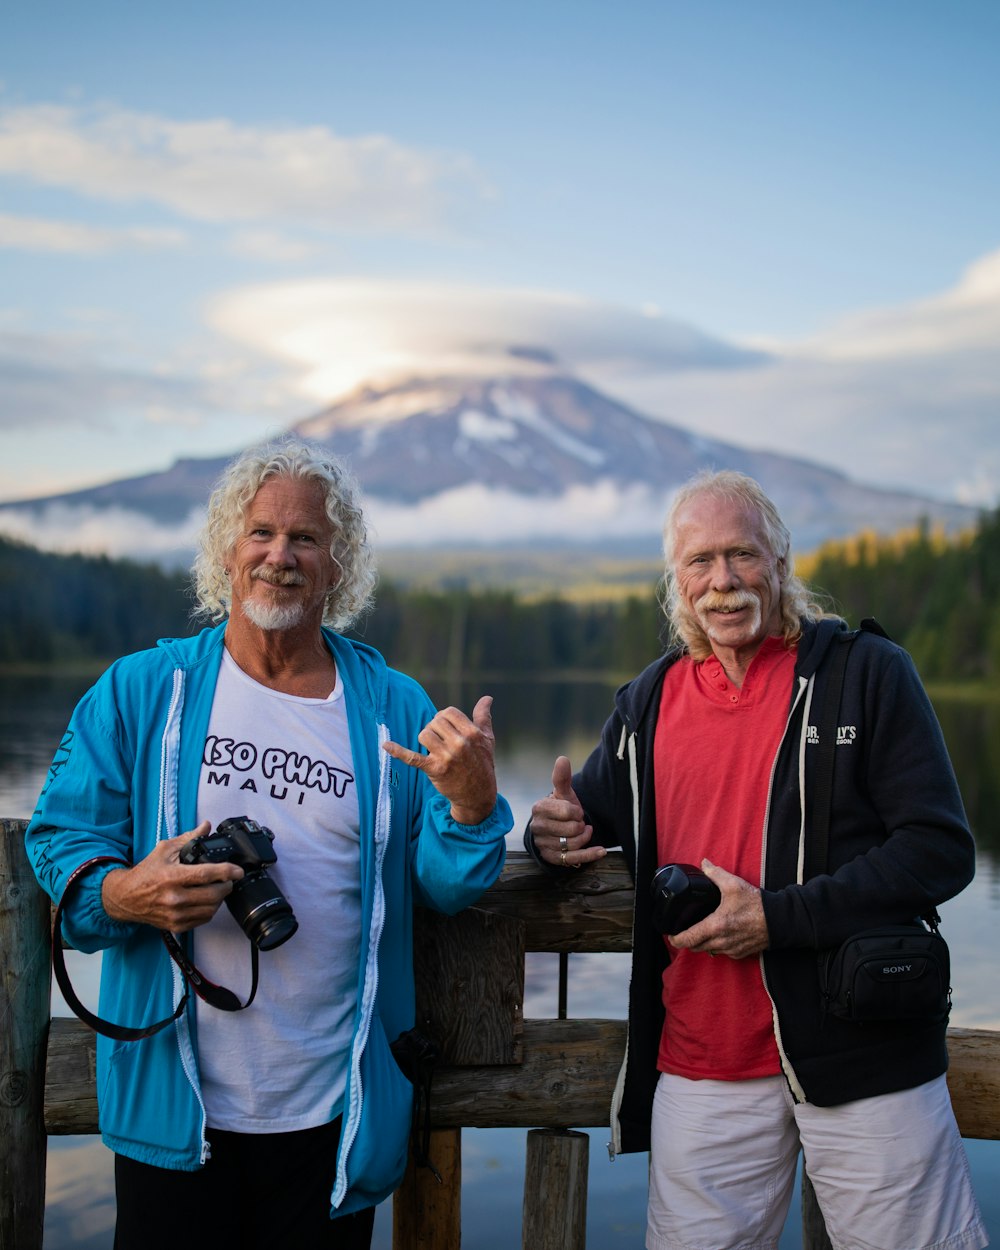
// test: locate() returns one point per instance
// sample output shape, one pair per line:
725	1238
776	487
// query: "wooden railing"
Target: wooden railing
497	1069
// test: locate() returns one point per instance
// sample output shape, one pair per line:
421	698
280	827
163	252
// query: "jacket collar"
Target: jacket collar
637	699
817	638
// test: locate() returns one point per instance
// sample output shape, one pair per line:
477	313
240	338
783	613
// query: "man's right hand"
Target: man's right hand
162	892
558	827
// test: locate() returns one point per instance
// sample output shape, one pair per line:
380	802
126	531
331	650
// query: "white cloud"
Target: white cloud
906	397
598	512
918	414
116	532
963	318
269	246
214	170
62	380
36	234
926	424
341	332
96	378
595	513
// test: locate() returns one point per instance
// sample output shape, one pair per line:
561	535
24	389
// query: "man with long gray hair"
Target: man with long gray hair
281	1126
710	777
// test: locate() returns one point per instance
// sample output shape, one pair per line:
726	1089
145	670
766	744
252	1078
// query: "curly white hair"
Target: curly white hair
243	477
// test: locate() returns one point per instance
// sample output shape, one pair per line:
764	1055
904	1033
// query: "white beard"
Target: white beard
273	616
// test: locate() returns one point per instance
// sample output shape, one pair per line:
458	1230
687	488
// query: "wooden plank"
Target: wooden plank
427	1213
974	1081
589	910
469	973
70	1078
565	1080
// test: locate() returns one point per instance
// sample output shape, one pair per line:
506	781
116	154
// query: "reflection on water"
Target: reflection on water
33	715
972	731
533	722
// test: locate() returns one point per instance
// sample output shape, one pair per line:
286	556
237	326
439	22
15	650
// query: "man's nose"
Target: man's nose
279	551
724	576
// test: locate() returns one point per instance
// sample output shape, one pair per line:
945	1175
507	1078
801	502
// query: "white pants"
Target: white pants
890	1173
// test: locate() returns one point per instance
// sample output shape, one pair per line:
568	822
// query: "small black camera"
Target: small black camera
682	895
256	903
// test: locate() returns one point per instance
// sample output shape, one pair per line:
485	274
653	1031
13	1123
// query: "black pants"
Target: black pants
267	1191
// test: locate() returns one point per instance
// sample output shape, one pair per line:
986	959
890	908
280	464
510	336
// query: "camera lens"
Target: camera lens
682	896
262	911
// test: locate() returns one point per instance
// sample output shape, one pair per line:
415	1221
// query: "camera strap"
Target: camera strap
215	995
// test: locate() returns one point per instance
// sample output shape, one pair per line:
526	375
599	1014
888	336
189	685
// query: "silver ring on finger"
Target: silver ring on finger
563	843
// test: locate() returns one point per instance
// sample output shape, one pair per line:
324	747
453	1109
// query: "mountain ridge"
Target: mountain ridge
539	459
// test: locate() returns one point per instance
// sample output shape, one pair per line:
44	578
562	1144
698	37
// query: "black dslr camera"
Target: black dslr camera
682	895
258	906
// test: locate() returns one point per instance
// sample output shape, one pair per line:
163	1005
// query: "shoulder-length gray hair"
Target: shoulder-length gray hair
796	601
240	482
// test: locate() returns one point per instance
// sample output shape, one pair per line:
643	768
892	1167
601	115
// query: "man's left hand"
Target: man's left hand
736	928
459	760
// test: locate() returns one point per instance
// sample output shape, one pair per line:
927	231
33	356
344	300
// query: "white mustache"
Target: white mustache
731	601
277	577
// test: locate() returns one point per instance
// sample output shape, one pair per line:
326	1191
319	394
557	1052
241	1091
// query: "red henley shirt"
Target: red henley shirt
712	759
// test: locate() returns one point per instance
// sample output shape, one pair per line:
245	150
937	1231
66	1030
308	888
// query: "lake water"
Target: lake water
533	723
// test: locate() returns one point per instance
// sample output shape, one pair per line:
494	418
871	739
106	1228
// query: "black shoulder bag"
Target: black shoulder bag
895	972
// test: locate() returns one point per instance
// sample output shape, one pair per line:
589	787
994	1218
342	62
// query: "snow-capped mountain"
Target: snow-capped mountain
539	460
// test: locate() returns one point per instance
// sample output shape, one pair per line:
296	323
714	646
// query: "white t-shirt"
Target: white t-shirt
286	762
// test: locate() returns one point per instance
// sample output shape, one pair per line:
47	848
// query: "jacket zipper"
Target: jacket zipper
356	1093
166	826
805	685
626	745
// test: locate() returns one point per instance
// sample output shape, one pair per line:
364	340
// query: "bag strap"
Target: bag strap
416	1055
215	995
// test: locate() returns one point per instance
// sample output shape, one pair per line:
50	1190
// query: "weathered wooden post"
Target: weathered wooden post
24	1020
555	1190
469	972
427	1213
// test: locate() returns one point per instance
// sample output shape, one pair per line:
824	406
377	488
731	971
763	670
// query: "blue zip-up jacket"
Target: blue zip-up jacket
126	775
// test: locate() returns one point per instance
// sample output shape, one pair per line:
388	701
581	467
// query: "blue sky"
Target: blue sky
214	217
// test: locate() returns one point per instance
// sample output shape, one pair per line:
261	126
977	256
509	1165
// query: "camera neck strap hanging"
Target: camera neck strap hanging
215	995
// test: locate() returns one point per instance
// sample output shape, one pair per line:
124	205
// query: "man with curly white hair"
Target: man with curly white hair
285	1124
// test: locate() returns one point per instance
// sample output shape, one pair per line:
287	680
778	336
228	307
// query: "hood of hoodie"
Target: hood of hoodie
817	637
361	667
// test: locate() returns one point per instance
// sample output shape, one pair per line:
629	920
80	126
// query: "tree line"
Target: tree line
936	596
74	608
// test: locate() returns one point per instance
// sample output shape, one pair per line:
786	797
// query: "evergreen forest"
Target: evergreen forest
939	597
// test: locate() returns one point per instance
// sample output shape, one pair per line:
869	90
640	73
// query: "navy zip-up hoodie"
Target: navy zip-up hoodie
899	844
